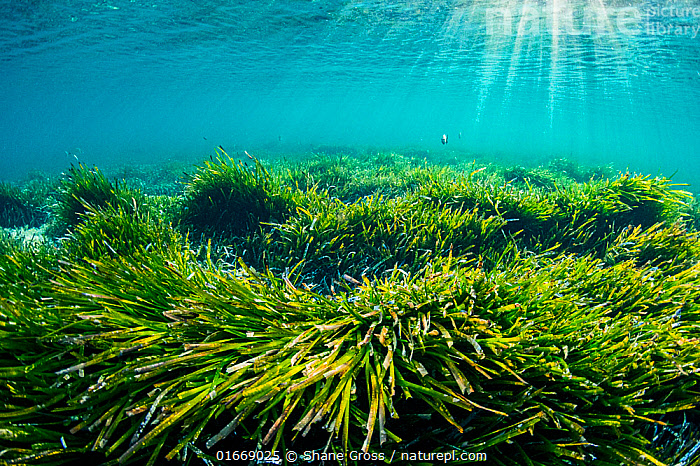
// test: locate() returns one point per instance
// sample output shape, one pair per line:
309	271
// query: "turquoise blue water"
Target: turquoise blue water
130	81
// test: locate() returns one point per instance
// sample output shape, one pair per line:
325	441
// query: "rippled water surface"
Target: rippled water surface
131	81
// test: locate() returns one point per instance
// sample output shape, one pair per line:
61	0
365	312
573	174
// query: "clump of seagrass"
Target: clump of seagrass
26	265
372	236
229	198
548	360
18	208
84	188
350	178
325	173
694	213
117	232
580	218
671	247
576	172
540	178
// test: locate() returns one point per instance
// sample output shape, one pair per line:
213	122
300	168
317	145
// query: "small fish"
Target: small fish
444	139
460	135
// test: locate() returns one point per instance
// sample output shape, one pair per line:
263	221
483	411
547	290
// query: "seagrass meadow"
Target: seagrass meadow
537	316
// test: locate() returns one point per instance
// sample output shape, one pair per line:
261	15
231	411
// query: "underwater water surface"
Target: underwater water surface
126	81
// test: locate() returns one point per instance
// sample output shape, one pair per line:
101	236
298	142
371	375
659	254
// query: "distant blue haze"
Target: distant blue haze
132	81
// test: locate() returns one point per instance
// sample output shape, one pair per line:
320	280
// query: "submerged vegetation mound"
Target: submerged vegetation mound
117	232
18	208
453	311
85	188
375	235
349	178
229	198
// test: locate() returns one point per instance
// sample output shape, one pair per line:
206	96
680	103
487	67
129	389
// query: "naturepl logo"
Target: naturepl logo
443	457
